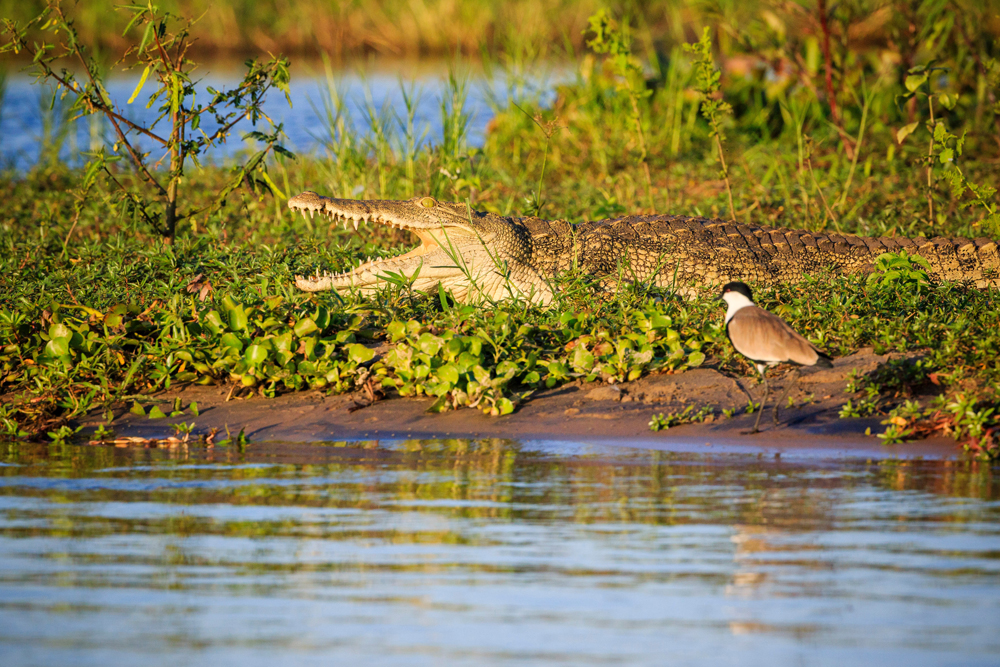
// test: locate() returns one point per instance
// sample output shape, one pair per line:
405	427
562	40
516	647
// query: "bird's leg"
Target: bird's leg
756	424
795	378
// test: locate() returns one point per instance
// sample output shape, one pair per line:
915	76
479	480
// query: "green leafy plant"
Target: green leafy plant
63	434
688	415
713	107
945	148
900	270
615	39
162	52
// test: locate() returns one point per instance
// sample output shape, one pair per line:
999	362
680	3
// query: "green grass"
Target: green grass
95	309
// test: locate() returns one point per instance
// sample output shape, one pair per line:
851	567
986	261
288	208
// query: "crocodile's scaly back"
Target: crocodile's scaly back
712	252
472	252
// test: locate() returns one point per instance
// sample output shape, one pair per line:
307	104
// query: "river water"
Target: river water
492	552
32	124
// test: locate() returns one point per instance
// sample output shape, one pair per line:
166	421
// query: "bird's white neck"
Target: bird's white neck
735	301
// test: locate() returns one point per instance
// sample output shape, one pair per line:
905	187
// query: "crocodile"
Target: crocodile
475	253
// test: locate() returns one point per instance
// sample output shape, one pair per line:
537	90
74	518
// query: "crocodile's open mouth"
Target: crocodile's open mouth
369	270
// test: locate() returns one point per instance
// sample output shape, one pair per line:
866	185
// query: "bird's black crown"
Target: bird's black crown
741	288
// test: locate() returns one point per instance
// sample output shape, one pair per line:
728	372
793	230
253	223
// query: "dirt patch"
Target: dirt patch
584	412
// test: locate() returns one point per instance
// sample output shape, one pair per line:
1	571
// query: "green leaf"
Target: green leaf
232	341
914	81
947	155
505	406
60	330
448	373
657	321
213	322
696	359
905	131
138	409
58	347
142	82
147	33
304	327
948	100
940	131
193	408
237	318
256	355
156	413
396	330
359	353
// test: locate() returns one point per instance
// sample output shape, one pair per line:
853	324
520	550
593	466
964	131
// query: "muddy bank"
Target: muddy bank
591	413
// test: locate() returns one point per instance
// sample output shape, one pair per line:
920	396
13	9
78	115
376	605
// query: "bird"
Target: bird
766	340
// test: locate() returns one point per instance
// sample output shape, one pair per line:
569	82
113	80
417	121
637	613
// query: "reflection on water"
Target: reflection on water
491	552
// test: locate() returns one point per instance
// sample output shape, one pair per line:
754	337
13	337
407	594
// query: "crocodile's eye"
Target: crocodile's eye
428	202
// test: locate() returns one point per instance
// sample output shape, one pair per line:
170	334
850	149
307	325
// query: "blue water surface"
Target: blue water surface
431	552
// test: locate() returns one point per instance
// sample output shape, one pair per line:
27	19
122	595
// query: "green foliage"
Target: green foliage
945	148
713	107
689	415
615	40
901	271
162	52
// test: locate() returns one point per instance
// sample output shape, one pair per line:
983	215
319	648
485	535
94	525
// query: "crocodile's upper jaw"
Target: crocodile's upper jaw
452	249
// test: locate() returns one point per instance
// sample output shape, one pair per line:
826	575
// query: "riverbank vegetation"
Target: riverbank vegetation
882	123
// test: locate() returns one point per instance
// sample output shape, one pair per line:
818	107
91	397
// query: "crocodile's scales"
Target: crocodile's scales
471	251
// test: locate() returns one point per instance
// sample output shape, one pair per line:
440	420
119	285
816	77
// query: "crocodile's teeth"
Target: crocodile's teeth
312	213
355	224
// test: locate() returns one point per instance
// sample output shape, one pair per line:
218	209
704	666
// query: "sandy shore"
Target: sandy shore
581	413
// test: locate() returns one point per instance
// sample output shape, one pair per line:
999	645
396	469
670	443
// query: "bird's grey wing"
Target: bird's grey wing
763	336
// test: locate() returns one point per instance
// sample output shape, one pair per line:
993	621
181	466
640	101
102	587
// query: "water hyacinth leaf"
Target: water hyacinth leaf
256	355
305	326
582	359
194	408
429	344
448	373
156	413
696	358
58	347
321	317
658	321
282	343
138	409
232	341
237	318
396	331
60	330
358	353
213	322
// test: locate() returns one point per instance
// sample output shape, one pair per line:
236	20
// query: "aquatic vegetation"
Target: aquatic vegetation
688	415
97	314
